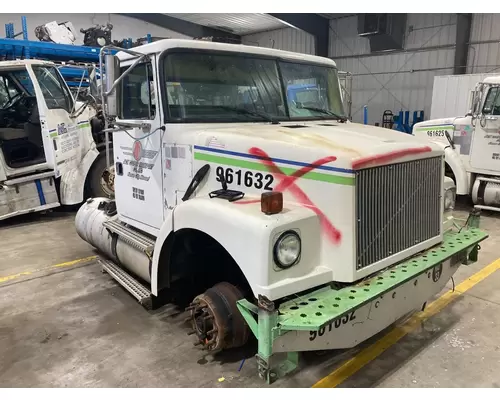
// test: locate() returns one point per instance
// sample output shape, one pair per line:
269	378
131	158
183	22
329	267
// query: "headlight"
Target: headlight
287	250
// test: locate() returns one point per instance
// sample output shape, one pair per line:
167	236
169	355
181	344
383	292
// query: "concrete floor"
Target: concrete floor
73	326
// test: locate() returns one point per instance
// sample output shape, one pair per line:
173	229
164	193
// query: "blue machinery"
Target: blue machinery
405	125
400	122
12	49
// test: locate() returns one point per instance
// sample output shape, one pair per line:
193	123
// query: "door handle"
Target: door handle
119	168
491	117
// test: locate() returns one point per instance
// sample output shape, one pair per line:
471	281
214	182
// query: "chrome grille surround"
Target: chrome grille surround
397	206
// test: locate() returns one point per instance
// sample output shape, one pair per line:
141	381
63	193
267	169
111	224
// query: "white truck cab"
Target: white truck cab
261	213
47	150
472	145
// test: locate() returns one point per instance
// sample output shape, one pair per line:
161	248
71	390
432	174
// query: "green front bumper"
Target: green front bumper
297	315
326	306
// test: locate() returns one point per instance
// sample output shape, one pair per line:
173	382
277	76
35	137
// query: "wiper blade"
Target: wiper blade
327	112
265	116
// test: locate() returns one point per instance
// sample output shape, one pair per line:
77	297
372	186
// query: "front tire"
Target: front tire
100	181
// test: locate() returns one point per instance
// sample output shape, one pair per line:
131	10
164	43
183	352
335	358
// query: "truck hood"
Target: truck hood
353	145
440	122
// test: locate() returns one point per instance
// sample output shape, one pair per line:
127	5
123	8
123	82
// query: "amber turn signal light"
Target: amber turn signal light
271	202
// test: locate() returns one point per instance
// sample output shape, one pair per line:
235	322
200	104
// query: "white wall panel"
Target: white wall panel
443	33
123	27
289	39
407	76
404	90
484	57
485	27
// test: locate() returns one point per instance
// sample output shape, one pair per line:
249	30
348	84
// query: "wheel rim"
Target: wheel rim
216	320
107	181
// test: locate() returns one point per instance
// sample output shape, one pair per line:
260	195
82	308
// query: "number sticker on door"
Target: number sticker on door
249	179
437	132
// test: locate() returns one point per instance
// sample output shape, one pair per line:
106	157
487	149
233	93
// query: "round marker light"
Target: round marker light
287	250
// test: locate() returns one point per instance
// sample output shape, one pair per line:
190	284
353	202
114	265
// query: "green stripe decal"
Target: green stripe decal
431	127
234	162
84	125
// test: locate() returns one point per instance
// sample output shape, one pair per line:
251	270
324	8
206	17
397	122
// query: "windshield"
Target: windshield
207	87
311	88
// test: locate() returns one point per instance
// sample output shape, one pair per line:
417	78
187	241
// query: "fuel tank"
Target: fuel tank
90	225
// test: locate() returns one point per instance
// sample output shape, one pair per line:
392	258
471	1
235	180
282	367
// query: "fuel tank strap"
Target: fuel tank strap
132	237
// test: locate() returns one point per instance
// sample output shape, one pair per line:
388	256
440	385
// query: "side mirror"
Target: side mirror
112	71
93	86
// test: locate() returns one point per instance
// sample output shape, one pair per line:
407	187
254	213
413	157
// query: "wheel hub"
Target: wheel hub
108	180
216	320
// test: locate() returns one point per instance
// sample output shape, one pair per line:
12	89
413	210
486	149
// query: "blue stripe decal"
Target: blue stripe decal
53	130
40	192
82	122
277	160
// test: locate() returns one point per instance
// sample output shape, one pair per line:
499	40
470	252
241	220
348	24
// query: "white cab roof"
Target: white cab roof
494	80
165	44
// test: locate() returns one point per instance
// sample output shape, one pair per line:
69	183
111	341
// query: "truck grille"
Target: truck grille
397	207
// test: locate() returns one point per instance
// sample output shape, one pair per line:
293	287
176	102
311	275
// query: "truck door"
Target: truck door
485	151
138	180
62	142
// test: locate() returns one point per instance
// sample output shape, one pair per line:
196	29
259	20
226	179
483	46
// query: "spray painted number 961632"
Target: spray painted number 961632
247	178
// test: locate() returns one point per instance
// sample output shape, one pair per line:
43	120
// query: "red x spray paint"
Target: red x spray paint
288	183
383	158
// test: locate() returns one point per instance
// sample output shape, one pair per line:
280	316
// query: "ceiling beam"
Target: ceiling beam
184	27
313	24
464	24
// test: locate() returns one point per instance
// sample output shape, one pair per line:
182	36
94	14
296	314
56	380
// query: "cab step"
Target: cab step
132	285
131	236
16	213
29	178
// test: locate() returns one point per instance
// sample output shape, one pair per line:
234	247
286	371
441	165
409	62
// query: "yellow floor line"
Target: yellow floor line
61	265
365	356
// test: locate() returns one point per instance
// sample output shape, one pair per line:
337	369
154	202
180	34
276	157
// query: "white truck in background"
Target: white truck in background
48	151
452	94
472	145
266	214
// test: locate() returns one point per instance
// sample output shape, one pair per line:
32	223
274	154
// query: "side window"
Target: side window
138	94
5	93
492	102
54	90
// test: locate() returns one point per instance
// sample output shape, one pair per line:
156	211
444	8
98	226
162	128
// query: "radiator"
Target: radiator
397	206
